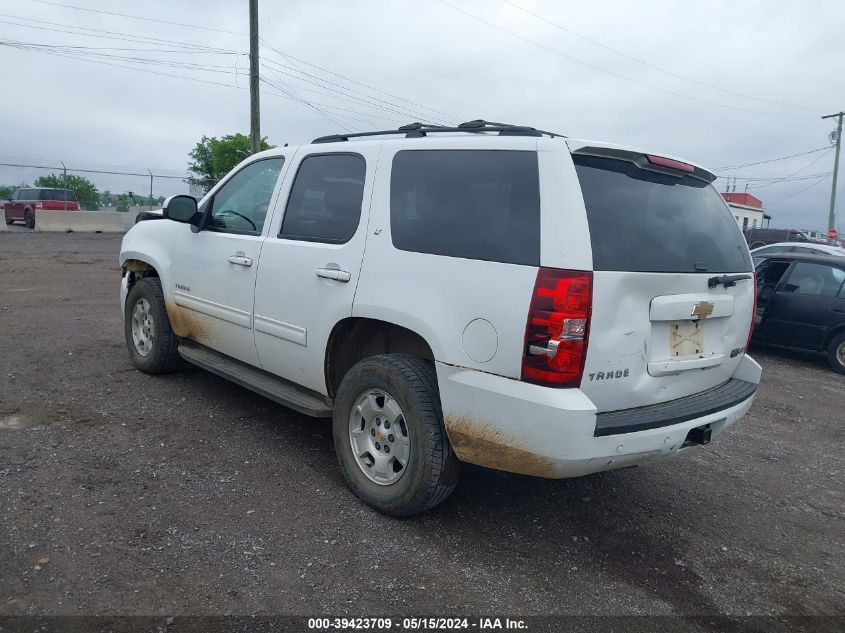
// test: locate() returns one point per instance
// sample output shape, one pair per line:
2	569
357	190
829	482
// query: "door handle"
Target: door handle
239	259
334	273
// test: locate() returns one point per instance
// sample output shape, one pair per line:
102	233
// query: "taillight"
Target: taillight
39	205
753	314
557	328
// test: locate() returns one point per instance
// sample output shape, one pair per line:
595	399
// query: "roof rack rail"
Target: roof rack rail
417	130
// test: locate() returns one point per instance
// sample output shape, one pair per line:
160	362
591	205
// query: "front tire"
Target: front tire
836	353
389	435
151	342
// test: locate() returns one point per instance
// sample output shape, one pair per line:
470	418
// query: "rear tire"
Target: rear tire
151	342
29	219
387	411
9	222
836	353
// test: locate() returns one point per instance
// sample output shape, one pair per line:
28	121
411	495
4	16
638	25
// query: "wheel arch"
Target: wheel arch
355	338
835	331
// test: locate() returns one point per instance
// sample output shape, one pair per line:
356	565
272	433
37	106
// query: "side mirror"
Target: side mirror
181	209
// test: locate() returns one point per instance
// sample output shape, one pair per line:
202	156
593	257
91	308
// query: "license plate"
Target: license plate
686	338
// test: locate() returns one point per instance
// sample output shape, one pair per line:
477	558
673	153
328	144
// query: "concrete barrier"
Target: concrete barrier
3	226
80	221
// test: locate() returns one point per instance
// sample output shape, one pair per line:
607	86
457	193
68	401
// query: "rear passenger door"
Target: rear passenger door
309	265
805	305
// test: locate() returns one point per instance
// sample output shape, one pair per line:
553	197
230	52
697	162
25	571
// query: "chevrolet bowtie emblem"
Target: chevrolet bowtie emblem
702	309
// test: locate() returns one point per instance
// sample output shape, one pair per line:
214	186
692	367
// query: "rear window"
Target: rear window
475	204
645	221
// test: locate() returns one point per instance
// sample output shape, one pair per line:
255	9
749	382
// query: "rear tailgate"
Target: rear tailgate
660	329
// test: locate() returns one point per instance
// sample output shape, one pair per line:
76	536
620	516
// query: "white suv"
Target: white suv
488	293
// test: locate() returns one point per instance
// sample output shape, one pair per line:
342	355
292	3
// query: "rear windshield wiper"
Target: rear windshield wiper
726	280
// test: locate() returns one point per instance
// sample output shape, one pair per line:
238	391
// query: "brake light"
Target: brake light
669	163
557	328
753	314
39	205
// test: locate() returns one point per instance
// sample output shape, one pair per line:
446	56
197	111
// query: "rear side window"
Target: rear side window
475	204
815	280
325	200
645	221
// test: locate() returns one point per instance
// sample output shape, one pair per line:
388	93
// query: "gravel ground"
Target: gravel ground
124	493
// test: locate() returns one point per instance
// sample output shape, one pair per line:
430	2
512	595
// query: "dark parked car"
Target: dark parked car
761	237
801	304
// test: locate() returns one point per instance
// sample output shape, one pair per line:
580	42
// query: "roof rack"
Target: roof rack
417	130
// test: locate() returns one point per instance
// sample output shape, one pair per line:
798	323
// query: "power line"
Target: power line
610	72
773	160
79	54
795	193
138	17
345	78
798	171
125	48
777	178
144	70
104	34
143	39
96	171
376	102
85	56
326	115
650	65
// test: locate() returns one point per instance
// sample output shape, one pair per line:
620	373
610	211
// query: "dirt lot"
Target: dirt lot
188	495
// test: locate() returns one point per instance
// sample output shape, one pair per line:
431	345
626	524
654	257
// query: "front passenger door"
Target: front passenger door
213	269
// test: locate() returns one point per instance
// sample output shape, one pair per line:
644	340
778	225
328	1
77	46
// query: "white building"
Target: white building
747	210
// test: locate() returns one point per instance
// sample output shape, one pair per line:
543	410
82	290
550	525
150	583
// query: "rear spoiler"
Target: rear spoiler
651	162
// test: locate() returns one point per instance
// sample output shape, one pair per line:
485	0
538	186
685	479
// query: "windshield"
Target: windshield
645	221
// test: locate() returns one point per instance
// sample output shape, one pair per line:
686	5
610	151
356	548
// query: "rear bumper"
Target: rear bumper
518	427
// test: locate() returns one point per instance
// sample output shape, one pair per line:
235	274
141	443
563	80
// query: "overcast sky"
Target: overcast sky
773	69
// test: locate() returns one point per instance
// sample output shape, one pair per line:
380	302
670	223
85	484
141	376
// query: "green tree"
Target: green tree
123	203
85	190
213	158
105	198
6	193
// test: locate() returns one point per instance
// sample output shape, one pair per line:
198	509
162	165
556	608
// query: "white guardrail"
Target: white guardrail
82	221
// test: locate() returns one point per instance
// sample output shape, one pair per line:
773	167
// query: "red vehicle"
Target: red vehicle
25	203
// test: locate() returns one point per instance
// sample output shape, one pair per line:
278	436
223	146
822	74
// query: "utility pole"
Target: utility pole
254	106
831	217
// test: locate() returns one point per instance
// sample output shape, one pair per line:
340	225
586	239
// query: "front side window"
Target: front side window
475	204
240	205
325	201
816	280
15	195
